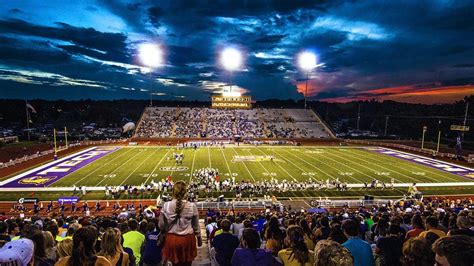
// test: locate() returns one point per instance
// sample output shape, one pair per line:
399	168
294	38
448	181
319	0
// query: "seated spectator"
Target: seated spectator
225	244
417	224
274	236
463	225
36	235
4	237
49	245
18	252
457	250
337	234
250	253
390	247
297	252
417	252
64	248
111	248
432	226
360	250
331	253
83	252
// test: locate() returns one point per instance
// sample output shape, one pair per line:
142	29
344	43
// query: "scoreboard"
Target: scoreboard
232	102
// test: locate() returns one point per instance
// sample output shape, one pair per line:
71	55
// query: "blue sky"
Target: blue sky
384	50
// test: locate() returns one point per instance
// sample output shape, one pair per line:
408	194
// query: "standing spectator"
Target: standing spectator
237	226
83	252
152	252
111	248
180	222
250	254
390	247
432	226
297	253
4	237
225	244
49	245
134	239
360	250
417	252
331	253
324	230
457	250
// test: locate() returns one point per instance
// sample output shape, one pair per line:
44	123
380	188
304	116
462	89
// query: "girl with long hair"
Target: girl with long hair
83	251
273	236
297	253
111	247
179	222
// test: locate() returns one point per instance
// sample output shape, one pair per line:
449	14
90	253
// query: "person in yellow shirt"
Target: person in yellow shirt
431	224
297	253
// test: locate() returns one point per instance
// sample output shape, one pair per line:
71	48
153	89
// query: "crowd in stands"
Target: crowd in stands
163	122
408	232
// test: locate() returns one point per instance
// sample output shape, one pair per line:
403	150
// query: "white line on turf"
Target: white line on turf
414	165
123	164
105	164
156	166
192	167
227	163
136	168
248	170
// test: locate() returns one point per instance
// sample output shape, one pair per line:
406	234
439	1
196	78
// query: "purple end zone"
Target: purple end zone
432	163
45	176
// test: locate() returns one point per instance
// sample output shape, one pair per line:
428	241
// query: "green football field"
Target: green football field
137	165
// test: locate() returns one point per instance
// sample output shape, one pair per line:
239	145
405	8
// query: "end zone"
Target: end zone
51	172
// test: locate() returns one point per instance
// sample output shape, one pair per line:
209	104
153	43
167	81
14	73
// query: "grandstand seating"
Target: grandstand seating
171	122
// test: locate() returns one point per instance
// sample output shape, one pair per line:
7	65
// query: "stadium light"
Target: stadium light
231	59
150	55
307	62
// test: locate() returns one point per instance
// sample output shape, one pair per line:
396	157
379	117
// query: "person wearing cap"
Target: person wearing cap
17	252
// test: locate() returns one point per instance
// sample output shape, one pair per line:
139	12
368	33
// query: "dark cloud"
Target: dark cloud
360	45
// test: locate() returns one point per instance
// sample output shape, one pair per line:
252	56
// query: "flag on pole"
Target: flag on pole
30	107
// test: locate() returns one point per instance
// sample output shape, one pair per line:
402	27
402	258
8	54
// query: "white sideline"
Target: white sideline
43	166
354	185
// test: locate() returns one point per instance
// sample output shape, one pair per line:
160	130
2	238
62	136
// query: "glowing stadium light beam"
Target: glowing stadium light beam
151	55
231	59
307	61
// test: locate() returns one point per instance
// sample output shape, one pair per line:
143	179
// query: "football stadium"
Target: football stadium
236	133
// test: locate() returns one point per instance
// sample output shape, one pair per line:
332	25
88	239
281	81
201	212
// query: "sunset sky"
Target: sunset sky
410	51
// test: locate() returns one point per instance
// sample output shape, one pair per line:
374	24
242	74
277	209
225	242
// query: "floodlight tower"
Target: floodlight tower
307	62
151	56
231	60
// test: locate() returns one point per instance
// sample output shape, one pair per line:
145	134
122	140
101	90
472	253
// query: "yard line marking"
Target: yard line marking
113	172
382	166
209	152
302	191
244	165
192	167
370	169
301	169
156	166
98	168
413	165
312	166
337	170
227	163
139	166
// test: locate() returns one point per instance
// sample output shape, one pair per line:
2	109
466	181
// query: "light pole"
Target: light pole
307	62
231	60
151	56
423	137
439	136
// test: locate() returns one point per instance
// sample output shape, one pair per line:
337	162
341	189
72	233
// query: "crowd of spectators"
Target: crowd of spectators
410	232
217	123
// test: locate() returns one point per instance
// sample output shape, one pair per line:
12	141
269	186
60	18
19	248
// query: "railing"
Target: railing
260	204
